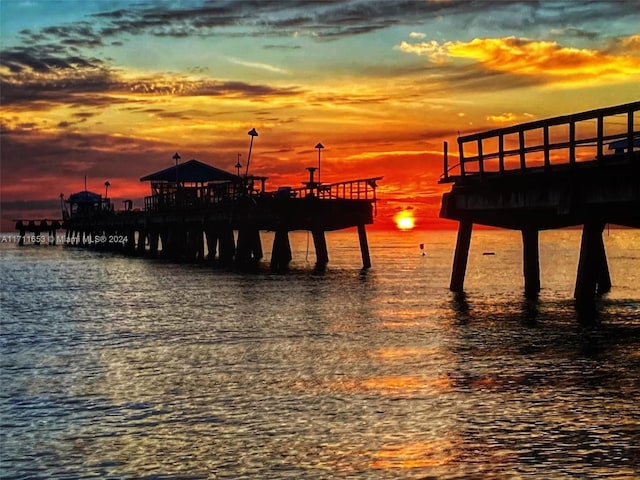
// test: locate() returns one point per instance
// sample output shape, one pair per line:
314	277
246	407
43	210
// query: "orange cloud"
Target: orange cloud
548	60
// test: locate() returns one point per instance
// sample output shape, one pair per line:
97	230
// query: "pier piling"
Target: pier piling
531	262
249	249
226	246
142	242
364	247
593	271
320	244
154	238
281	251
461	255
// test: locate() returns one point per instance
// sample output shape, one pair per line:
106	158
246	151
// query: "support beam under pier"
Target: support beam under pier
212	243
461	255
142	242
154	238
531	262
593	271
320	244
226	246
364	247
248	249
281	251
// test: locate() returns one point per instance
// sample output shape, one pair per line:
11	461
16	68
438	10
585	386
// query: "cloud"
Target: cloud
30	79
436	52
502	118
324	20
624	45
547	61
417	35
260	66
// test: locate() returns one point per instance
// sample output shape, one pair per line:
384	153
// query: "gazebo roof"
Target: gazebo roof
192	171
84	197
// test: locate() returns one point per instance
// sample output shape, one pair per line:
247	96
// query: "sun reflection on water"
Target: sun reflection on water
425	454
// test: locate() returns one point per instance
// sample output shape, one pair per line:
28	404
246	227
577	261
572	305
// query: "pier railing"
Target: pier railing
567	139
207	196
193	197
361	189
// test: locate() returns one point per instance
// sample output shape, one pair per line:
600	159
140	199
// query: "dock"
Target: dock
581	169
192	204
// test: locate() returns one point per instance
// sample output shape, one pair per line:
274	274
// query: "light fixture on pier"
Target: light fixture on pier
252	133
319	146
176	157
238	165
106	189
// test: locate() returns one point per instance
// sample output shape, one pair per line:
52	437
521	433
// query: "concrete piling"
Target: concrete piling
461	256
531	262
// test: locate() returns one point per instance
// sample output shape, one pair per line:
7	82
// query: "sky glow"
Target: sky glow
112	89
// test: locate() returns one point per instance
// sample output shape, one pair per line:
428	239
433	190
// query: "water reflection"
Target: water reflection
146	369
424	455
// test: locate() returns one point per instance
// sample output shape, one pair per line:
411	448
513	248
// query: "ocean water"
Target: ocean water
115	367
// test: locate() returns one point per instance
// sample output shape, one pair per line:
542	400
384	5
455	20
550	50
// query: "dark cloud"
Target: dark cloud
55	51
59	156
327	20
20	59
47	79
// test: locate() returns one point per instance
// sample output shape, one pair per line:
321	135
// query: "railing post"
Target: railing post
630	134
523	158
501	152
572	142
461	156
480	157
446	161
547	159
599	152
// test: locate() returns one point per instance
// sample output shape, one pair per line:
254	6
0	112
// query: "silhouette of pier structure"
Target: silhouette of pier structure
44	230
192	203
572	170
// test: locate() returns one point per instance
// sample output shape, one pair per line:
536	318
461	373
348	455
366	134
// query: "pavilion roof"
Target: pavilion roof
192	171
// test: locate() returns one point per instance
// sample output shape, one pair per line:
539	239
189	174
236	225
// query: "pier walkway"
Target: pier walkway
572	170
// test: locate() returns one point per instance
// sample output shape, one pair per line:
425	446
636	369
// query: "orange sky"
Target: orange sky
113	89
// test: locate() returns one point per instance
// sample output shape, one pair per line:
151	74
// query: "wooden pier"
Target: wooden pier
580	169
43	231
192	203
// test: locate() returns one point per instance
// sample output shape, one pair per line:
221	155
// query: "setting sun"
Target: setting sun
405	221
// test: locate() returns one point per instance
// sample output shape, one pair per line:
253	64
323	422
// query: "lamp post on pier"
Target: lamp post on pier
319	146
252	133
238	165
176	157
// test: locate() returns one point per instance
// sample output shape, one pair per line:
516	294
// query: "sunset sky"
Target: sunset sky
112	89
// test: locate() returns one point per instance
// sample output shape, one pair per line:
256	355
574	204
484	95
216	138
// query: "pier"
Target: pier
42	231
192	203
573	170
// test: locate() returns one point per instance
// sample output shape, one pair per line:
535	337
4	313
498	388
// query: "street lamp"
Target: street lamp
319	146
253	133
176	157
238	165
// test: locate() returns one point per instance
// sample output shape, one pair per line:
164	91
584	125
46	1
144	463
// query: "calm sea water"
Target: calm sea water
115	367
